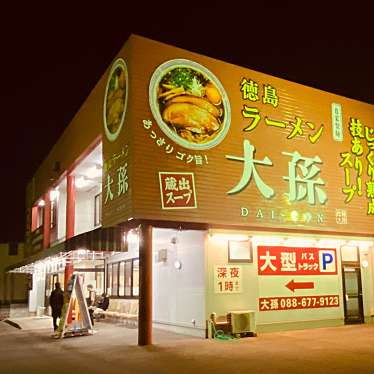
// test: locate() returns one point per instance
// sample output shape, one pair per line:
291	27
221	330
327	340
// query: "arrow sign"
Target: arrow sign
292	285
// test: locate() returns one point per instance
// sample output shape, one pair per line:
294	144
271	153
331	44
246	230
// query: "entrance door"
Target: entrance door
353	308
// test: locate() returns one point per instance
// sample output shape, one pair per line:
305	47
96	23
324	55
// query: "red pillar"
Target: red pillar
69	270
70	206
145	285
47	221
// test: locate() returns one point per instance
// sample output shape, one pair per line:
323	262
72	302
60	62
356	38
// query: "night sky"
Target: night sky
52	58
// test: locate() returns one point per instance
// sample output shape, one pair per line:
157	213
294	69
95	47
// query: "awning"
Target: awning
101	239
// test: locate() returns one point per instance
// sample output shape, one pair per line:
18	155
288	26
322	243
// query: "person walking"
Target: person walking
56	301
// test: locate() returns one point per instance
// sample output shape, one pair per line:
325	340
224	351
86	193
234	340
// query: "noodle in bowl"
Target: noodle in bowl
189	104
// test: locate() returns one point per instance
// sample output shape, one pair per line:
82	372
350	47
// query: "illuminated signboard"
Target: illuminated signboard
263	152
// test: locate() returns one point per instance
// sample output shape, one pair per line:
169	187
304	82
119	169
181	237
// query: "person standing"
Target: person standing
56	301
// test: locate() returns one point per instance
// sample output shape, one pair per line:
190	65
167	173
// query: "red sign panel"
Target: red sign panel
297	302
296	261
177	190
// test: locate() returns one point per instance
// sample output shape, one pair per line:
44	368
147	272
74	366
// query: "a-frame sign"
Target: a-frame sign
75	318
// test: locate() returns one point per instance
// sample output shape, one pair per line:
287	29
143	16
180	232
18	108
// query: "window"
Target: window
115	280
53	214
37	215
99	278
109	280
97	213
123	278
135	278
128	278
121	288
40	217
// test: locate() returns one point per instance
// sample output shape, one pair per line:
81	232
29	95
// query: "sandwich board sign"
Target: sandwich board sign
75	306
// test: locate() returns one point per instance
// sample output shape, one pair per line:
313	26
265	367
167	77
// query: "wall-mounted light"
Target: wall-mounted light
41	203
294	215
365	263
177	264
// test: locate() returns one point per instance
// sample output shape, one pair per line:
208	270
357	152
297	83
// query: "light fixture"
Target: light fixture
365	263
177	264
294	215
41	203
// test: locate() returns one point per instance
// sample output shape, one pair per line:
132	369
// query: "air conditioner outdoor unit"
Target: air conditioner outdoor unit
243	321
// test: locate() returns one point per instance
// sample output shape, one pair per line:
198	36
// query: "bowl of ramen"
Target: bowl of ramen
115	99
189	104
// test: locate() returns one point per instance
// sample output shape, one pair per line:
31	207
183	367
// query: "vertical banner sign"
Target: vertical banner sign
227	279
337	122
116	148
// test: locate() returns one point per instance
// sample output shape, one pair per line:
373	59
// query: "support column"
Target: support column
70	206
69	270
47	221
145	285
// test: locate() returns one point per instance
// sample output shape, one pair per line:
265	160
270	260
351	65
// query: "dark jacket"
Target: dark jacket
56	301
104	303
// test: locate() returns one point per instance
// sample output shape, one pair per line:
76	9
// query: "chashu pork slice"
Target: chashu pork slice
191	117
200	102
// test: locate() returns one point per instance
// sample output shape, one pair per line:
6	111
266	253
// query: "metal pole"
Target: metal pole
145	285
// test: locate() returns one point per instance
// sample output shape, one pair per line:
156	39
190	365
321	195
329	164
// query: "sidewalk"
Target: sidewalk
113	349
30	323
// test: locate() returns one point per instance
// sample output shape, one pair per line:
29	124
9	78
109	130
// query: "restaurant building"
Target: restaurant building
196	187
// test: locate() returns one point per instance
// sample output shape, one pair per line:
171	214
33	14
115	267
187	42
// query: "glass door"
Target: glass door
353	308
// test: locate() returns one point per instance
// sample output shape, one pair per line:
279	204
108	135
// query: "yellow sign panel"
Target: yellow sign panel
261	151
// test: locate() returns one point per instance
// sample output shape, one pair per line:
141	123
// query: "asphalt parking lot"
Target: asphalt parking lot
113	349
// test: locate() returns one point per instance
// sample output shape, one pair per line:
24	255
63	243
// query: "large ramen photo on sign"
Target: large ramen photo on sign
189	104
115	99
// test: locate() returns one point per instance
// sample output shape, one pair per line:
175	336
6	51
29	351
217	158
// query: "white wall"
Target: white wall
217	254
179	295
366	254
85	210
37	294
255	286
61	215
